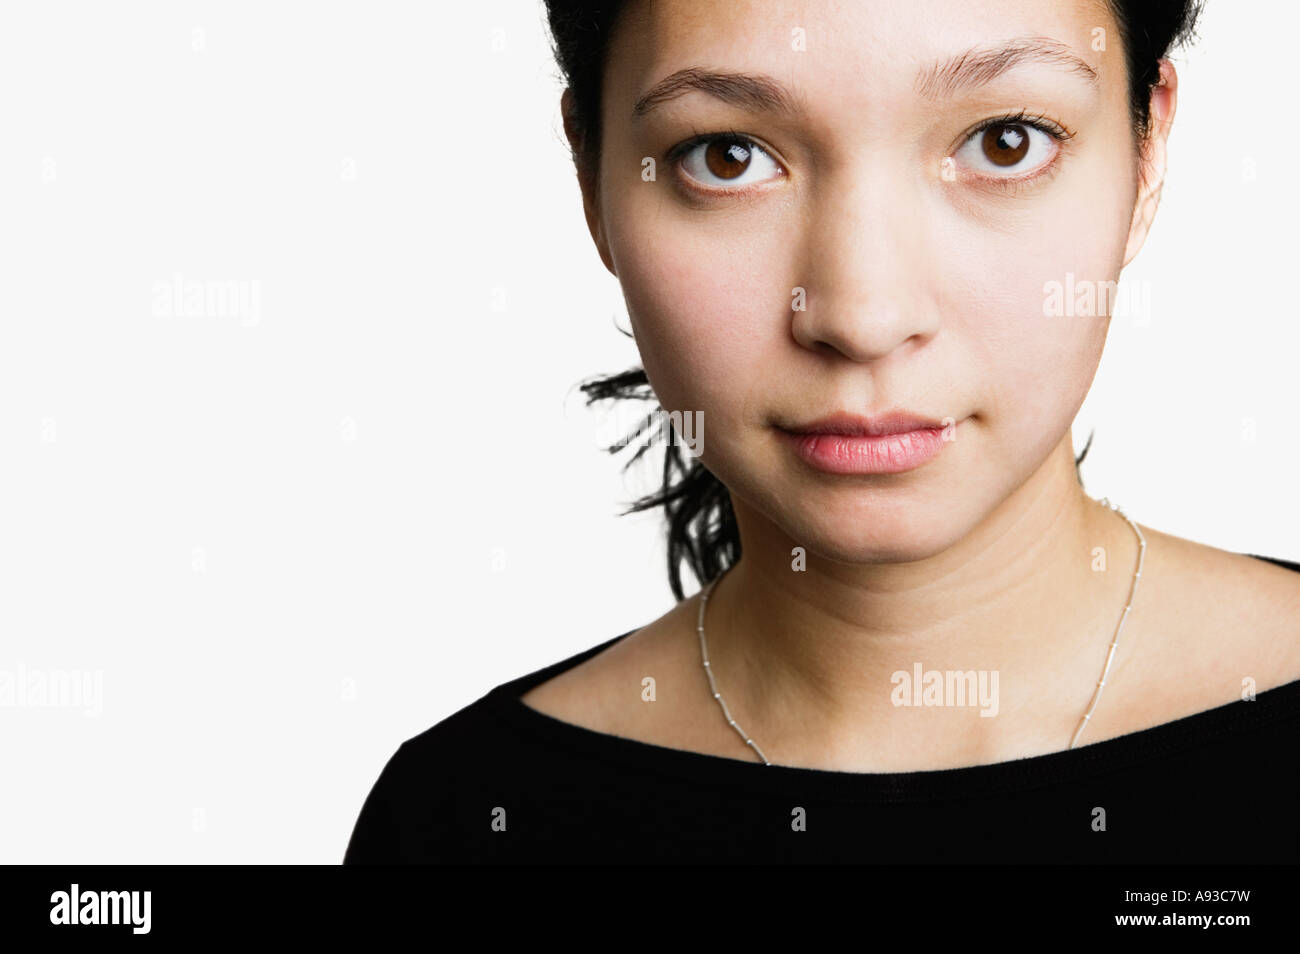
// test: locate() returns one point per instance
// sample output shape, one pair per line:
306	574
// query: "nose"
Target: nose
871	267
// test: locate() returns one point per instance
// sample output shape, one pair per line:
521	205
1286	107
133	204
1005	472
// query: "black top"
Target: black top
500	782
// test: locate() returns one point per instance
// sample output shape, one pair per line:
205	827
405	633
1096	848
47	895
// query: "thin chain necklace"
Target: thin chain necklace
1096	696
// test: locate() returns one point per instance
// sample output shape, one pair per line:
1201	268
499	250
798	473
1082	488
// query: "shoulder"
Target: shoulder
405	816
436	787
1238	610
590	693
609	692
1209	627
461	736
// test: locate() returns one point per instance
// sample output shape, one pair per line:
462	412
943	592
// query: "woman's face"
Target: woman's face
924	246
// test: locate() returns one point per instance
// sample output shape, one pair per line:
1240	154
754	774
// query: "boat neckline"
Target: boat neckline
1108	755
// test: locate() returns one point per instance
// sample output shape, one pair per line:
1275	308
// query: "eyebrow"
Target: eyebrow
980	65
974	67
751	91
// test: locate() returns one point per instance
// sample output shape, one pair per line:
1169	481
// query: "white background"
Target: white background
287	542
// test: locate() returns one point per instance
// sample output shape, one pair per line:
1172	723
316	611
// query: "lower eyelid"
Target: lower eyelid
1016	184
685	182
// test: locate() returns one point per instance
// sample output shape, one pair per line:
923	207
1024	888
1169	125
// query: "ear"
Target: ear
587	180
1153	156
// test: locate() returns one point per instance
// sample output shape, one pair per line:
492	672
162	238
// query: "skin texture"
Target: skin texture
924	285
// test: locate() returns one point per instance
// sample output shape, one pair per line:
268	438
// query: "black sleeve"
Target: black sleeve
377	836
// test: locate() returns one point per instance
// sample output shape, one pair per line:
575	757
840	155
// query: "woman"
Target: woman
842	232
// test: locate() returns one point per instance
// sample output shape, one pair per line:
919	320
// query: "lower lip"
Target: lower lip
886	454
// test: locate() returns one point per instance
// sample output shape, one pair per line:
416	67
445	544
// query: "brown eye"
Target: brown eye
1005	145
722	161
726	158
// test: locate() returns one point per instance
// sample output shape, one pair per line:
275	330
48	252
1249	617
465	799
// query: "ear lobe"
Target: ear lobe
586	178
1153	155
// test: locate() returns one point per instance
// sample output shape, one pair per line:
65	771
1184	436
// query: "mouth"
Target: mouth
844	443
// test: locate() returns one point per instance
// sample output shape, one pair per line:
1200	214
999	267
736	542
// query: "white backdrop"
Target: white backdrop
283	525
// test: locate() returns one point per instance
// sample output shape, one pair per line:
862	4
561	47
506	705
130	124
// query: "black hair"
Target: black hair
701	523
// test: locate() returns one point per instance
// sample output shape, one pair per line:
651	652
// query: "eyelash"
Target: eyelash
682	148
1009	184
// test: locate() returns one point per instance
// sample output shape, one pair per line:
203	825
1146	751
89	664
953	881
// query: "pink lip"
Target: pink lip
849	444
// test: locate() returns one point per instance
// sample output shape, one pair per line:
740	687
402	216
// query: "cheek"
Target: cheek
1029	304
708	310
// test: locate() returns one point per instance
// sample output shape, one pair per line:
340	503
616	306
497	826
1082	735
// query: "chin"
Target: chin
901	533
861	551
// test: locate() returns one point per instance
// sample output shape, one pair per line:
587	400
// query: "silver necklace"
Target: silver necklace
1096	696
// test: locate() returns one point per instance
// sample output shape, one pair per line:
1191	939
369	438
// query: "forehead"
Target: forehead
855	54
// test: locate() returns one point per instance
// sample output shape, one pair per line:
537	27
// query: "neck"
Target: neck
806	659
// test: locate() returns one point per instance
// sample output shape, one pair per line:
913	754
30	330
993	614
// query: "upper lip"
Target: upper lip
856	425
